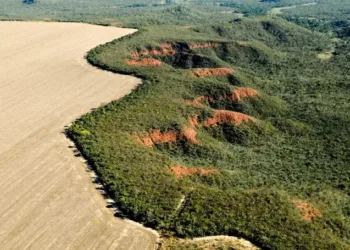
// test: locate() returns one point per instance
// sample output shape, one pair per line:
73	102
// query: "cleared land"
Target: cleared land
279	11
48	200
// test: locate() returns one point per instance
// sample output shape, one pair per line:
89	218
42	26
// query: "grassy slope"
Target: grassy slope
299	150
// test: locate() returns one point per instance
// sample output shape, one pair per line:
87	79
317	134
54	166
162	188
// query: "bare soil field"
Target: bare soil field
47	197
208	243
279	11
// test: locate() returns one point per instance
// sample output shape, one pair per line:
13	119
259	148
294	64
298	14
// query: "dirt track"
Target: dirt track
47	198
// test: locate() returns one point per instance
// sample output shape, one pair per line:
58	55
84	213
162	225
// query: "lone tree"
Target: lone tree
28	1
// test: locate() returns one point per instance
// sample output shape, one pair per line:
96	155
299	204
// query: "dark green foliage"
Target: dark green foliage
259	7
28	1
247	135
326	16
263	216
189	61
275	30
299	144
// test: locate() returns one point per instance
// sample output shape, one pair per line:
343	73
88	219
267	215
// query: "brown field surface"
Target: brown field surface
47	197
222	242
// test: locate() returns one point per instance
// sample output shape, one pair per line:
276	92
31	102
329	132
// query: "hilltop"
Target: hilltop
232	132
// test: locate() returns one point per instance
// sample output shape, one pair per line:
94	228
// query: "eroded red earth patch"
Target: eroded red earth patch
144	62
190	134
308	211
242	93
158	137
238	95
212	72
225	116
154	52
162	137
195	103
193	121
166	45
180	171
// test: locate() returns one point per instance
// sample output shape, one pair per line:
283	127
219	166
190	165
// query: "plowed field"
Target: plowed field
47	196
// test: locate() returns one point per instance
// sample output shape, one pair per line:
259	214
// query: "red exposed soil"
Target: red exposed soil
194	103
203	45
201	98
307	210
208	98
237	96
181	171
144	62
193	121
212	72
166	45
154	52
241	93
171	136
224	116
190	134
159	137
146	141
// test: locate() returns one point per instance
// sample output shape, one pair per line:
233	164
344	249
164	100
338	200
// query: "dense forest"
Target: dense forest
321	15
240	128
241	125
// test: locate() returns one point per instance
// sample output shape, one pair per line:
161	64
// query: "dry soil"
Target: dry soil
47	197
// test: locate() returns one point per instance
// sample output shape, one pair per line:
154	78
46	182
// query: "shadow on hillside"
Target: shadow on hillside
95	180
